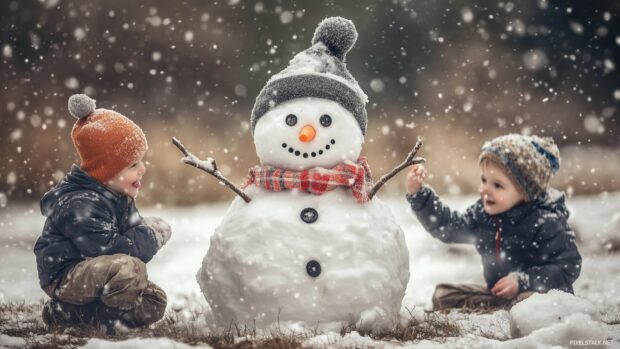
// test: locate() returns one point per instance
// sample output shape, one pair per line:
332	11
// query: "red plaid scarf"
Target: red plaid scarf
316	180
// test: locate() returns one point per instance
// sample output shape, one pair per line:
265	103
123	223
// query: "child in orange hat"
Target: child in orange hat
92	252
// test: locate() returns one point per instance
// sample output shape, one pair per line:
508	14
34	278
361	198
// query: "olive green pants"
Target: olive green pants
118	281
471	296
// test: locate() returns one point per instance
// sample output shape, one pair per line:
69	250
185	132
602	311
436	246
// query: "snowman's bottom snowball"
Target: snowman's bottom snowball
255	272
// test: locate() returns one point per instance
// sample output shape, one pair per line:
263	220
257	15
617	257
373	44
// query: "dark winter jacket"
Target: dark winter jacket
86	219
532	239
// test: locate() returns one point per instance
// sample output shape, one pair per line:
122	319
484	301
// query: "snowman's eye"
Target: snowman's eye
291	120
326	120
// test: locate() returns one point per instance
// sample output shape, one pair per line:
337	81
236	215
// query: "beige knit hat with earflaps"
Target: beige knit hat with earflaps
530	161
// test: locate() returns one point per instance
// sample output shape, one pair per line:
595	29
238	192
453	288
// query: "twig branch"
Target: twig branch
410	160
208	166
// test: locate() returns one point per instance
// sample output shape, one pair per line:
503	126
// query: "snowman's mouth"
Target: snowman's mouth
313	154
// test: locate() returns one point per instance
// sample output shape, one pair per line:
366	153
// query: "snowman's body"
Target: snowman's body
256	270
292	255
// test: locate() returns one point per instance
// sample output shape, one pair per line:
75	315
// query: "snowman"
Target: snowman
306	241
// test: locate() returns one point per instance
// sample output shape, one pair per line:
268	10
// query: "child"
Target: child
92	252
518	225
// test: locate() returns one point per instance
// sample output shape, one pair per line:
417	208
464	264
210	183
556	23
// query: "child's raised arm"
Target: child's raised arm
439	220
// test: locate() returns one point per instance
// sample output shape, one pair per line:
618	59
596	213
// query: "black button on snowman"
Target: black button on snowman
309	215
313	268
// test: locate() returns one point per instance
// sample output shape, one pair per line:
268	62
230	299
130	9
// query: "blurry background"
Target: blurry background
455	73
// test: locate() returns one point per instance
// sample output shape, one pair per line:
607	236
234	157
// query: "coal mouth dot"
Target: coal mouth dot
311	154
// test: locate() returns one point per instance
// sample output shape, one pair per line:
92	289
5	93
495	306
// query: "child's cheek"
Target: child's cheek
501	199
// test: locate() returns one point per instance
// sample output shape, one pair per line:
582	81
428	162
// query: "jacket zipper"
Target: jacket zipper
498	241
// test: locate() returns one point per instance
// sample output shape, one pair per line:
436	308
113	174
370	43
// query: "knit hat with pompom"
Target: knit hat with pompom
528	160
106	141
319	72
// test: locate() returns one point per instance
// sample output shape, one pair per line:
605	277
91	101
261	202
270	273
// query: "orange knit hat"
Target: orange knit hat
106	141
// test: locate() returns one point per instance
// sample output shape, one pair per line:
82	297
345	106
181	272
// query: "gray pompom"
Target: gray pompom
337	33
80	106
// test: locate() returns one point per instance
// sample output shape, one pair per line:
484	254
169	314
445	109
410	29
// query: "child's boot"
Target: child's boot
57	314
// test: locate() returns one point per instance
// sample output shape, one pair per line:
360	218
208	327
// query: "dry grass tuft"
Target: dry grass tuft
16	319
611	245
433	326
22	320
612	319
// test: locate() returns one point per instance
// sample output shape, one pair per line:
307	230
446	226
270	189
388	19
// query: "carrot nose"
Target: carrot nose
307	133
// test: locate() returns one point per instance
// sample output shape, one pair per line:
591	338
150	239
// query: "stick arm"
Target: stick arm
410	160
208	166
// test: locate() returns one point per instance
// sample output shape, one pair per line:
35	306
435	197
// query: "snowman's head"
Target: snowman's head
307	132
312	113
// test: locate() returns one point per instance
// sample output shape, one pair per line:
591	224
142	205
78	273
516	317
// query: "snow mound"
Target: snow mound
576	330
548	310
8	341
137	343
497	323
335	340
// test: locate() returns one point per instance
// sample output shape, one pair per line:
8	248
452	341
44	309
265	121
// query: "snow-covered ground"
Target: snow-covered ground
595	218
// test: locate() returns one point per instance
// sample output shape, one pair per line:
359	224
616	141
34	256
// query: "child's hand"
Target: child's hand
160	229
506	287
415	178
